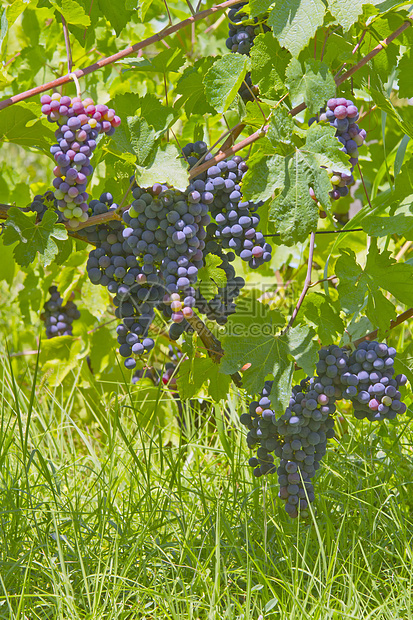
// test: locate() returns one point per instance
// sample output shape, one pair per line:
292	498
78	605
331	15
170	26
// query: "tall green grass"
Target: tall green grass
110	521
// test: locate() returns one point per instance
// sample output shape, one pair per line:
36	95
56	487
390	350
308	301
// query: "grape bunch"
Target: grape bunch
342	114
150	260
299	436
58	319
42	203
221	305
370	382
236	220
241	31
79	125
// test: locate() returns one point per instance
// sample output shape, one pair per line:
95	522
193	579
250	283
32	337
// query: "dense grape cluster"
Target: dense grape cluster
42	203
58	319
342	114
242	30
236	220
370	382
150	260
299	436
79	125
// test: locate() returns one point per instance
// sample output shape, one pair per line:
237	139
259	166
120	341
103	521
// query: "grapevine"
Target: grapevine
163	212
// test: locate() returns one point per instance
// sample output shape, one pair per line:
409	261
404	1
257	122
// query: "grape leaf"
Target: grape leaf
323	314
169	60
268	64
313	83
399	222
346	12
194	374
9	16
58	356
223	80
102	347
191	86
259	7
405	75
32	237
265	175
380	272
142	138
166	166
251	338
20	125
116	13
72	11
211	276
293	210
7	263
294	22
396	278
383	102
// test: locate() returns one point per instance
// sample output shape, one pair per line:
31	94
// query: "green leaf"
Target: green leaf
268	64
399	222
169	60
313	83
191	88
32	237
405	74
223	80
323	314
115	13
211	277
102	348
265	174
396	278
381	272
251	338
383	102
21	126
351	288
293	210
195	373
294	22
281	130
346	12
7	263
142	138
95	299
259	7
72	11
167	166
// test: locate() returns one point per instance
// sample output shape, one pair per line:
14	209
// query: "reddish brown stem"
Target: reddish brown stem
307	284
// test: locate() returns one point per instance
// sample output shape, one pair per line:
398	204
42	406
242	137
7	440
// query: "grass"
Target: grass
108	521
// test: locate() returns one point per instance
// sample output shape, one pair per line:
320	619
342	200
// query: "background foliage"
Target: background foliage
171	524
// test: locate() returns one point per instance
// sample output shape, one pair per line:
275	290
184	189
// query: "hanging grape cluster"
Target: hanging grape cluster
342	114
79	125
58	318
299	436
150	261
241	35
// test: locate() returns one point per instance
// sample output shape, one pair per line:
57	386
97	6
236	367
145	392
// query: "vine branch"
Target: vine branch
108	60
307	284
